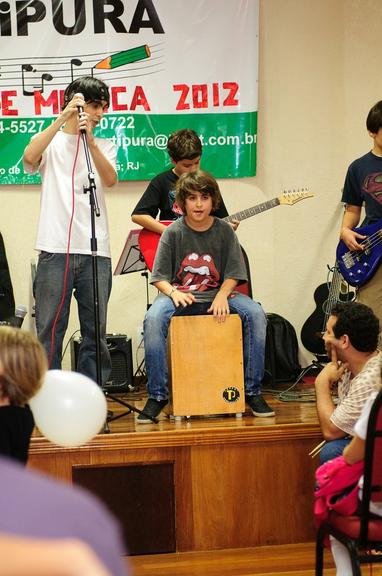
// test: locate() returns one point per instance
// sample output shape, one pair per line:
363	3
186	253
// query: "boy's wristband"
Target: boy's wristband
173	289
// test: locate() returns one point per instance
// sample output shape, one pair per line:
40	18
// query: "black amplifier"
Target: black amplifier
121	377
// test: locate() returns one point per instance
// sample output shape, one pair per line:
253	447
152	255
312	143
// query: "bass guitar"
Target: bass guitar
325	296
359	266
148	241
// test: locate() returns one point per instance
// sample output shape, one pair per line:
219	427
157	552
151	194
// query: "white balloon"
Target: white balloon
69	409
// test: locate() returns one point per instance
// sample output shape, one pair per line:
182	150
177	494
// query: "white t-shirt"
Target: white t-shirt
56	169
361	430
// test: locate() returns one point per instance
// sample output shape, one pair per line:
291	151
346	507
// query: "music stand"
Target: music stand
130	260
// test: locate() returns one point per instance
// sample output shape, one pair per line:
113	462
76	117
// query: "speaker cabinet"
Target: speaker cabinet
119	345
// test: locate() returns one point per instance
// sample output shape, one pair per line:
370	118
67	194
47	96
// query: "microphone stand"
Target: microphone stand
95	211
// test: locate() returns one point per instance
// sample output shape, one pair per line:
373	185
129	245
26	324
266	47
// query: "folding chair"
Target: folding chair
361	533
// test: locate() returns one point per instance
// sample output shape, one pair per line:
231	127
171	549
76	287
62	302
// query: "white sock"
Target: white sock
341	557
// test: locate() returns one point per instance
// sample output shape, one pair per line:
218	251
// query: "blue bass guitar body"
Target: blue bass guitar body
359	266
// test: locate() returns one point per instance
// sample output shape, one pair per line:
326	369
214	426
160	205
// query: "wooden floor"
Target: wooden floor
288	560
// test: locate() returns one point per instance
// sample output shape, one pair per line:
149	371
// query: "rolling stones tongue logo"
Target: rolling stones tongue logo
372	185
174	206
198	273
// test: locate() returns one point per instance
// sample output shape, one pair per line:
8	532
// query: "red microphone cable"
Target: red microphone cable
67	258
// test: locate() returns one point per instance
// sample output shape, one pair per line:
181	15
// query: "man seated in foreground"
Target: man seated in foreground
351	340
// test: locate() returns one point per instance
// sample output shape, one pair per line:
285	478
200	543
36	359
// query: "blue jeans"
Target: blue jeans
156	326
48	289
333	448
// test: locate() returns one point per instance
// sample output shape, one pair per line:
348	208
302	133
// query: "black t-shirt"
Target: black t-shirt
16	427
363	185
159	197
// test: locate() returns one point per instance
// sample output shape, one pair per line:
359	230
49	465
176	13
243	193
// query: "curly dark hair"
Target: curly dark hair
184	145
198	181
360	324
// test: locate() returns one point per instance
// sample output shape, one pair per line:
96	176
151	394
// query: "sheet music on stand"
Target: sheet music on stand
131	259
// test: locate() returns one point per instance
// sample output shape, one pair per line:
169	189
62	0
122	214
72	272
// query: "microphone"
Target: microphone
80	109
17	320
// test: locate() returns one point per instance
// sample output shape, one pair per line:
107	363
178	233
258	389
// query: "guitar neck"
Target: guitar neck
334	294
243	214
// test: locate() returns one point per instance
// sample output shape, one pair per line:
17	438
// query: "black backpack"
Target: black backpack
281	351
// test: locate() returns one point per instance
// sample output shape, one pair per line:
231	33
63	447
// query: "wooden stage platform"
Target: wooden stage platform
199	484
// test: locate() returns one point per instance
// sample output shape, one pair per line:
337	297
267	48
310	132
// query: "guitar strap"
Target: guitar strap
7	301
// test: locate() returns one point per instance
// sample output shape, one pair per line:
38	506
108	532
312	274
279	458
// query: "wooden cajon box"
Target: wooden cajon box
206	371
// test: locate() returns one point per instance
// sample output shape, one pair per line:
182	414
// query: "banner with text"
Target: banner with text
169	65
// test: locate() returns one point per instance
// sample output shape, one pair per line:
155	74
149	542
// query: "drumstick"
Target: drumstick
317	449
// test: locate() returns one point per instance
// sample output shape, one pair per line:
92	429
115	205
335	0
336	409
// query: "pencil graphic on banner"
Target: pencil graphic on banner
124	57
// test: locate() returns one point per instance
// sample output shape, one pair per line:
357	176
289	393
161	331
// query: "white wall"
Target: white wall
319	74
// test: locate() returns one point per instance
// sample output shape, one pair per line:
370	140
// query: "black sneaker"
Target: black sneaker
152	408
259	407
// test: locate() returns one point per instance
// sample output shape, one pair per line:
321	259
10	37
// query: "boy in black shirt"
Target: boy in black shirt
185	149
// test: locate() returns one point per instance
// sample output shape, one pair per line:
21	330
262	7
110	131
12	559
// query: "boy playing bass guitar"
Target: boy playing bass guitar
363	187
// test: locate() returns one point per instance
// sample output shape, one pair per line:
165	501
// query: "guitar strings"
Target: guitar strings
371	241
334	292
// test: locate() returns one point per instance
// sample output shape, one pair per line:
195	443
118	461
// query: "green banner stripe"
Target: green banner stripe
229	143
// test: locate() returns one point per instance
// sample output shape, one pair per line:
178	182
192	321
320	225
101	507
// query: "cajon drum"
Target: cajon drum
206	371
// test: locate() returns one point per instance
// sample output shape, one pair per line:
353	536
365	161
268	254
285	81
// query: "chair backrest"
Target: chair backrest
246	287
372	482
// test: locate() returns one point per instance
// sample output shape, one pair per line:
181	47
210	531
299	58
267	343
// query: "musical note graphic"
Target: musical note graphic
43	78
26	68
47	78
74	62
109	66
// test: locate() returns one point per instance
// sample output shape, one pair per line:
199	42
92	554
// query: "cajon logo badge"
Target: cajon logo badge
231	394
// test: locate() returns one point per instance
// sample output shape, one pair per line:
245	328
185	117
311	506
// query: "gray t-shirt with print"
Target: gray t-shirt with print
199	262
